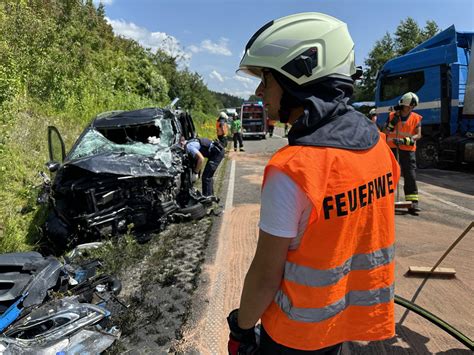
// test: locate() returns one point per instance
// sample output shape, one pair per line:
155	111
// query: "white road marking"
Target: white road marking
215	319
449	203
229	200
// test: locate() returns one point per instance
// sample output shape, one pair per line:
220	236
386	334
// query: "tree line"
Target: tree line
61	51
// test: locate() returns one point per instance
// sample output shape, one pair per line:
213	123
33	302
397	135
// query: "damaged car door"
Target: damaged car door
57	150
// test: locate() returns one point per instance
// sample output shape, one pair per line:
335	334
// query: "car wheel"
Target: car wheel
57	231
196	211
426	153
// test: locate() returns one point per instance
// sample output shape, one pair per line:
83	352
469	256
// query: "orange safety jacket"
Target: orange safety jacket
338	285
221	128
404	129
271	122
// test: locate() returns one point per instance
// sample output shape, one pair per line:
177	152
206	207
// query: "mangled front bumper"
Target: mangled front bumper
104	195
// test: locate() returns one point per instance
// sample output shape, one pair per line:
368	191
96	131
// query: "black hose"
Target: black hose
436	321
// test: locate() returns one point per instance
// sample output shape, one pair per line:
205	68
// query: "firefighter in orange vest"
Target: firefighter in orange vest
222	128
323	271
403	129
271	126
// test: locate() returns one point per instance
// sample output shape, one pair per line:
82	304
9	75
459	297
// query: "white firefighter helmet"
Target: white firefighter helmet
223	115
373	112
409	99
303	47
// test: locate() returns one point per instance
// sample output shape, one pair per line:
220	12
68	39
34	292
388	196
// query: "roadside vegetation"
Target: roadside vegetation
61	64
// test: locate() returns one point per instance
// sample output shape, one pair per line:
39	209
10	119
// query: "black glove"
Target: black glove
393	122
404	141
241	341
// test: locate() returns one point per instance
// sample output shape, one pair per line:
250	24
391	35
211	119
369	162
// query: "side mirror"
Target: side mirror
358	74
53	166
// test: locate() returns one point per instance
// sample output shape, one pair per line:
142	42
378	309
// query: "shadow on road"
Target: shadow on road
415	343
457	180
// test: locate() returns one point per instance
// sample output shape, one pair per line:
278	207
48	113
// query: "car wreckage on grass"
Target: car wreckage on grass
47	307
127	171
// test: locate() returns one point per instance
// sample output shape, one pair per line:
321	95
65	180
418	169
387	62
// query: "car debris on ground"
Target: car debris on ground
47	306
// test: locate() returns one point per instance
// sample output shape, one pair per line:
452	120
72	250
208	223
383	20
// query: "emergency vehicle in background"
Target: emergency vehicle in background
254	119
440	71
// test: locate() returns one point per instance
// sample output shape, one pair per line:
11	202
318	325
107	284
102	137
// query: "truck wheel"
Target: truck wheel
426	153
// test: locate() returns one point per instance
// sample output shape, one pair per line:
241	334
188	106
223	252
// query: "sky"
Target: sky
210	35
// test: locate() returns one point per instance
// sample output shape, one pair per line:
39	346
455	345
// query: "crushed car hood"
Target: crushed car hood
130	164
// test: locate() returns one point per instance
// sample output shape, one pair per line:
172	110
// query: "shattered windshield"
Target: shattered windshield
140	140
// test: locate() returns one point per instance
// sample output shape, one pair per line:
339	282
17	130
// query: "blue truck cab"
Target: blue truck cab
441	73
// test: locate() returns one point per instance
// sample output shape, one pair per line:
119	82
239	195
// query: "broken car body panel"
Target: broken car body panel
36	317
63	325
55	320
28	274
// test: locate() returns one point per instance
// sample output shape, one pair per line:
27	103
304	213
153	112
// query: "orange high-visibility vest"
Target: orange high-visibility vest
338	284
271	122
221	129
404	129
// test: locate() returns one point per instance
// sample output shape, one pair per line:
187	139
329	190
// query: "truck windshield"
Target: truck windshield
396	85
252	112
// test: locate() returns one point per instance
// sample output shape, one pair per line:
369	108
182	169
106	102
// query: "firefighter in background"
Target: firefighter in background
373	115
236	130
222	128
271	126
323	271
403	129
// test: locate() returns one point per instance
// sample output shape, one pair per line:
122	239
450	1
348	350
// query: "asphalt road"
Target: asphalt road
447	202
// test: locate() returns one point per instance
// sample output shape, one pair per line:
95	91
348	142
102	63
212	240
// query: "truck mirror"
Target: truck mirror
469	95
358	74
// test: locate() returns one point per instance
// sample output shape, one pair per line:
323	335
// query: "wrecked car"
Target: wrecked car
126	172
48	307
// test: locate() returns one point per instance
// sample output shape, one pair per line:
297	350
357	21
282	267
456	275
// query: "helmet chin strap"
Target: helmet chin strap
284	115
288	102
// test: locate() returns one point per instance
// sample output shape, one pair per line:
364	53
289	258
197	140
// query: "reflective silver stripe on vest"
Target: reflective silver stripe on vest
316	278
353	298
400	134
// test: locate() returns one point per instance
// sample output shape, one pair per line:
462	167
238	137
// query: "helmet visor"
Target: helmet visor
252	71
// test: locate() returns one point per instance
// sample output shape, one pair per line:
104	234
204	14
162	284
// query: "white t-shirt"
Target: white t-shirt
285	208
